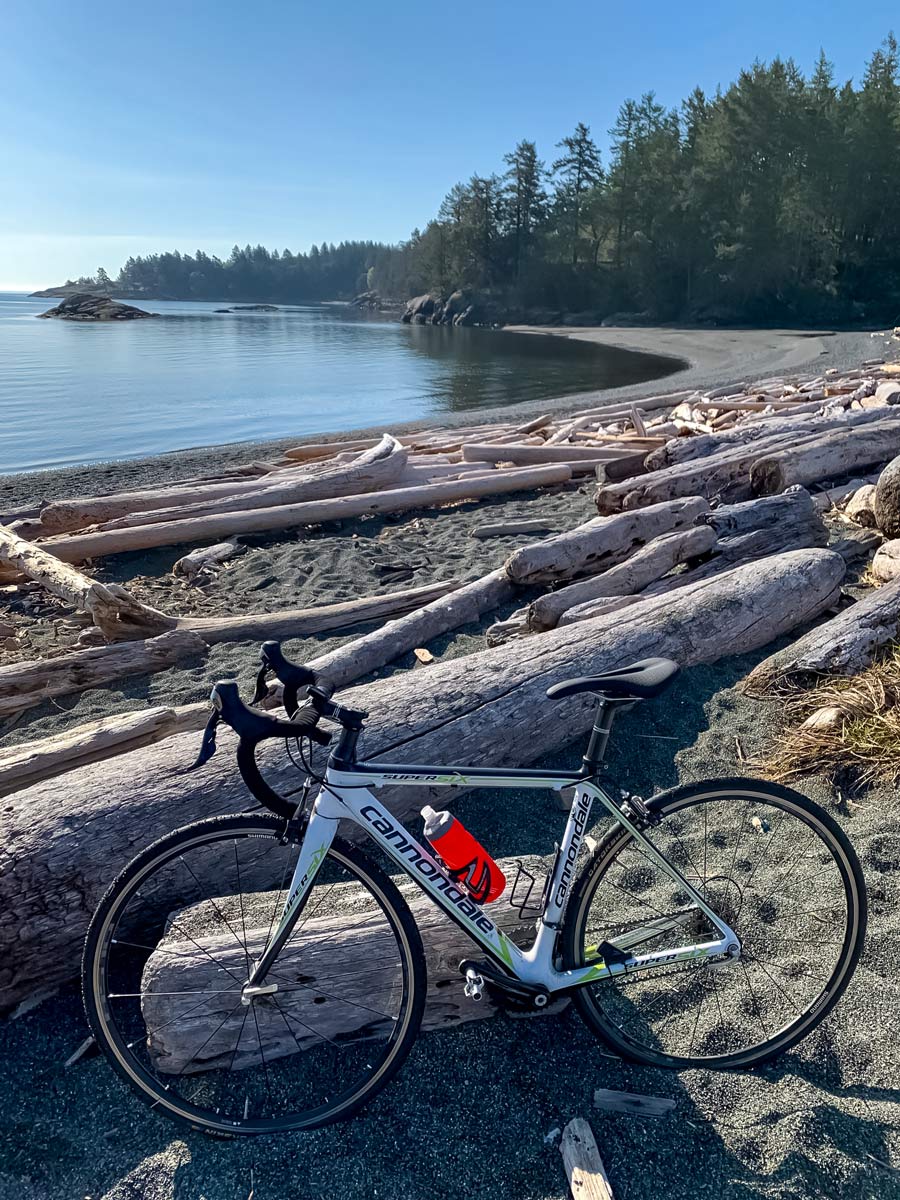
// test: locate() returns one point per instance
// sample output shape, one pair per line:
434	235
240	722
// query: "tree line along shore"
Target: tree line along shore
773	200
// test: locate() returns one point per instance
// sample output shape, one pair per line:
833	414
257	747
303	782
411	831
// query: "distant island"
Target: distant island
773	201
82	306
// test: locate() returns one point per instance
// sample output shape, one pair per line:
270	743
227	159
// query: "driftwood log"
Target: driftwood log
533	455
687	449
189	566
345	961
65	838
826	457
24	684
77	547
118	615
645	566
600	543
301	622
493	529
94	741
724	475
844	645
374	467
790	513
380	467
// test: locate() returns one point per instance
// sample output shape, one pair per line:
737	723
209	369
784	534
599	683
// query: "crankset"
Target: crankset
509	993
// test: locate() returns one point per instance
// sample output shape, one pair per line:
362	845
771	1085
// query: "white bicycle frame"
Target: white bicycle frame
346	795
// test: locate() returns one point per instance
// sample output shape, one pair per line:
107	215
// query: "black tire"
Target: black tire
606	1011
128	1063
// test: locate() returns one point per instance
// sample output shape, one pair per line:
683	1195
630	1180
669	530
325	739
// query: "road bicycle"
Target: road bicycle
250	974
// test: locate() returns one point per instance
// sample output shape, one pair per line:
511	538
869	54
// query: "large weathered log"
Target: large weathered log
67	837
116	613
25	684
827	457
600	543
842	646
379	467
349	957
301	622
725	475
786	514
645	566
76	547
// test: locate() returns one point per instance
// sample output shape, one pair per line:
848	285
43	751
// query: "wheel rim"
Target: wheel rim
782	883
169	979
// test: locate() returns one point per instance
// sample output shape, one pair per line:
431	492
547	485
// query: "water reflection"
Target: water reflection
74	393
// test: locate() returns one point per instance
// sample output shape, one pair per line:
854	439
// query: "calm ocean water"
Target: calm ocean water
77	393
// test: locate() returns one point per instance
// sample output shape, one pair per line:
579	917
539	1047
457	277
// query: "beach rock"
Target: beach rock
860	507
255	308
887	499
222	310
888	393
886	563
85	307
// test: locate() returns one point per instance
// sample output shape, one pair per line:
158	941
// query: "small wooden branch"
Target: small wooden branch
632	1102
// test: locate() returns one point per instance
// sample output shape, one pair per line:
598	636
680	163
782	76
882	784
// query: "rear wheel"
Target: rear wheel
169	952
770	863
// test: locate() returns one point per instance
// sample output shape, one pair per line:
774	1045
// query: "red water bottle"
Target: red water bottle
470	864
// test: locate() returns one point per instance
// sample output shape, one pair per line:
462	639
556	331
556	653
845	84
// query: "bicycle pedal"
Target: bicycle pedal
474	988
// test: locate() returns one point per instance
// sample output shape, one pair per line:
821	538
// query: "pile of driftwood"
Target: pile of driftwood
722	566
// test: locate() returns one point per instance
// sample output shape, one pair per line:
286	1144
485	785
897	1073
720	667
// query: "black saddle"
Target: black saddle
641	681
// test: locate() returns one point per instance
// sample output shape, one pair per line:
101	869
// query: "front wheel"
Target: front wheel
777	869
166	966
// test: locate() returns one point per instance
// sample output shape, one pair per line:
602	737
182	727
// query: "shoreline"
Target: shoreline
711	358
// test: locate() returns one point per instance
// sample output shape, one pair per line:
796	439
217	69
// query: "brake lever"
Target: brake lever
208	744
262	683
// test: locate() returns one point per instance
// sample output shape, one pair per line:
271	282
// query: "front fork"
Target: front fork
317	839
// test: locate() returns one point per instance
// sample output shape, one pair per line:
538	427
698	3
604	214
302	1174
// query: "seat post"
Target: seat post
596	747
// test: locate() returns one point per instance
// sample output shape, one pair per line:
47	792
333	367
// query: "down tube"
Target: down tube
421	865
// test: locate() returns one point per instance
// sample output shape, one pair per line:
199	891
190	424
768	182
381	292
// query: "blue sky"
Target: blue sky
126	128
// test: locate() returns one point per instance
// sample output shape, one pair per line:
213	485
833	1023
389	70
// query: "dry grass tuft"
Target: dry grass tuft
861	737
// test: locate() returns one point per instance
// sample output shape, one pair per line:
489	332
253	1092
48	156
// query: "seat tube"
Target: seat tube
599	739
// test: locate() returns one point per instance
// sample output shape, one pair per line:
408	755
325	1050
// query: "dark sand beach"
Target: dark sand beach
474	1110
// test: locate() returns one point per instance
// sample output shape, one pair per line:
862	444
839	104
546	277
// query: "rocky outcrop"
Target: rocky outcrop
85	307
432	309
254	308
